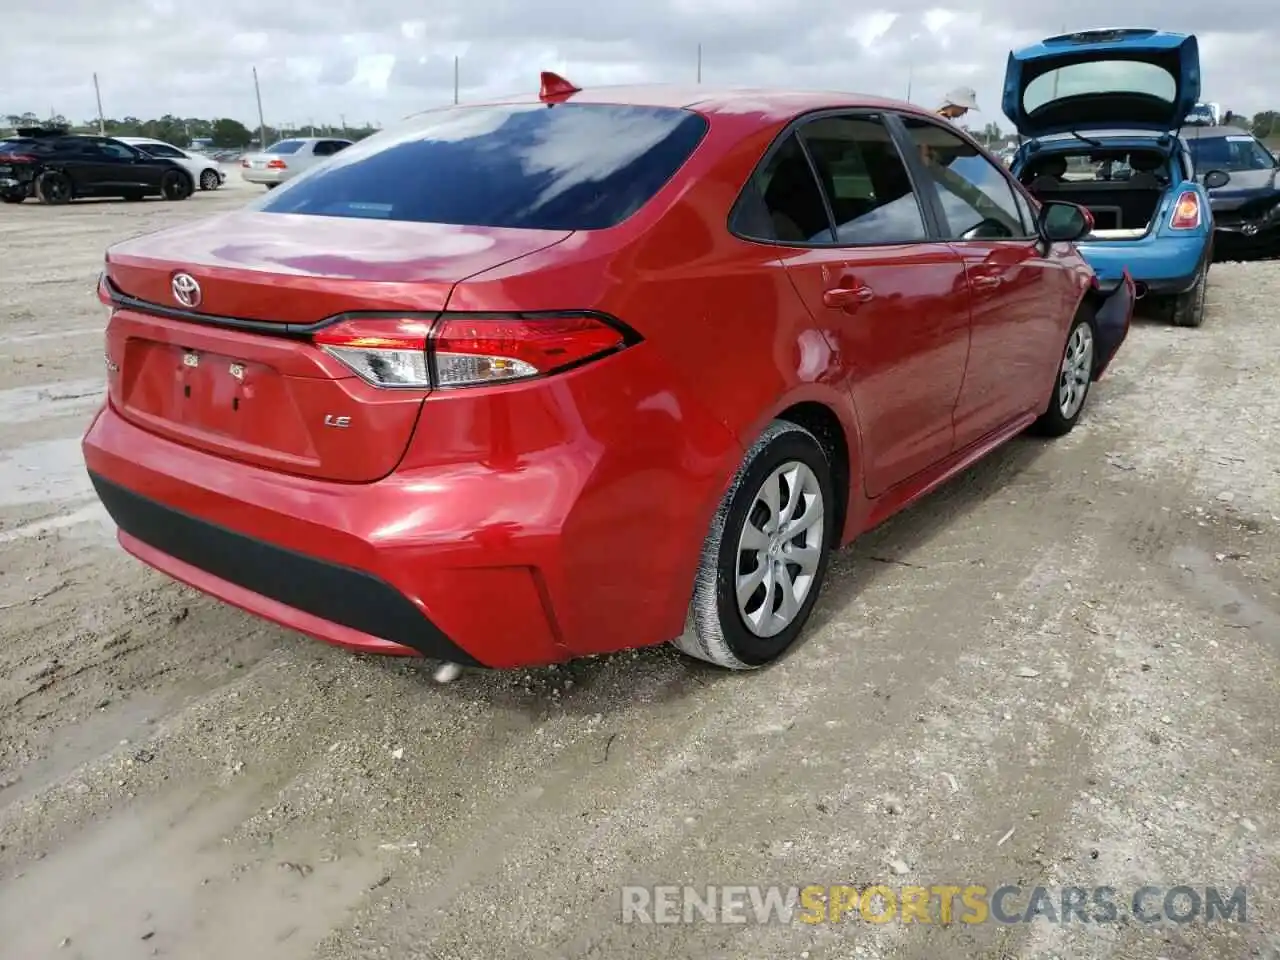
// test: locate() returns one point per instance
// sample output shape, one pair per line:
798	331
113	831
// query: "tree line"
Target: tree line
224	132
227	133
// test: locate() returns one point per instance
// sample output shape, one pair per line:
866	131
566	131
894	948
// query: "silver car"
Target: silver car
285	159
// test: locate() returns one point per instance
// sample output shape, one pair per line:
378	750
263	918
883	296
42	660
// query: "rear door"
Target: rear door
1020	294
892	301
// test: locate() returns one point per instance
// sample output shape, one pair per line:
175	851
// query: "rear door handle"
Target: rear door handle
842	298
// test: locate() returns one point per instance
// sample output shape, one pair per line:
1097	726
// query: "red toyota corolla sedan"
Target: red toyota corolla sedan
520	382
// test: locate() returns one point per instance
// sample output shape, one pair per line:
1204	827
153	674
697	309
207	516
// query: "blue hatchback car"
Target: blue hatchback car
1101	110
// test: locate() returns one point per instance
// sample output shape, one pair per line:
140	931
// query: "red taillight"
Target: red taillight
17	158
474	350
277	165
464	350
385	352
1186	212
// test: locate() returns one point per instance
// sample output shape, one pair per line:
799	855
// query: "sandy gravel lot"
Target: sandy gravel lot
1062	669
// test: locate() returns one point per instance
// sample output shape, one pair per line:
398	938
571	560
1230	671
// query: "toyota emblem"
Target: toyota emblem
185	290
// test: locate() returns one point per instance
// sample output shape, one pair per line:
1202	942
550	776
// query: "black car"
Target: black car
1246	211
56	167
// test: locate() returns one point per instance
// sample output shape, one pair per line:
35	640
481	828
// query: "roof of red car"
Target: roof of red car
723	100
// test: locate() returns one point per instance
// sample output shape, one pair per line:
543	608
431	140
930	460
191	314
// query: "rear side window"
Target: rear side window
861	179
160	150
285	146
562	167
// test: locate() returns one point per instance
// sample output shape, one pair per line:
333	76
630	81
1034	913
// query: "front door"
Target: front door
1018	293
891	300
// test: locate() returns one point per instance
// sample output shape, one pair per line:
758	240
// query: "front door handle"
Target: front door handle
845	298
987	282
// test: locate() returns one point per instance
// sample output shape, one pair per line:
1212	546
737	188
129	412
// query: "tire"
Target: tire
209	180
54	187
1071	388
175	185
272	186
745	636
1187	309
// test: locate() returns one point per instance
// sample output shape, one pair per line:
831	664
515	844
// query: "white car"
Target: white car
204	171
285	159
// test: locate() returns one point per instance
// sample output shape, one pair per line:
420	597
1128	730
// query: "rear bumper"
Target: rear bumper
265	176
1163	264
546	555
335	603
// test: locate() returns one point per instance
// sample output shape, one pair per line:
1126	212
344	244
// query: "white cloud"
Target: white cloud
322	59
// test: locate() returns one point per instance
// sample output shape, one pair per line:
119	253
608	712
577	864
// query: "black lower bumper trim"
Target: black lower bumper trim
335	593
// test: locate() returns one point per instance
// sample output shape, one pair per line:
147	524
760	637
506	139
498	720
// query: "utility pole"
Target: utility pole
97	92
262	124
455	79
911	74
343	118
699	63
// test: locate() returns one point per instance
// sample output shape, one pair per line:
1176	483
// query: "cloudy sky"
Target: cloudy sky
379	60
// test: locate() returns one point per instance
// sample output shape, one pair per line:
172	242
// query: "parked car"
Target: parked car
520	382
285	159
60	167
19	164
205	170
1114	100
1246	209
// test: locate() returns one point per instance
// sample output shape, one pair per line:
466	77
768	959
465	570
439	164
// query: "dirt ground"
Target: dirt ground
1060	670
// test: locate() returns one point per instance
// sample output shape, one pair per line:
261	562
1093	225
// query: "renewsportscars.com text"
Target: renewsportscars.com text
935	904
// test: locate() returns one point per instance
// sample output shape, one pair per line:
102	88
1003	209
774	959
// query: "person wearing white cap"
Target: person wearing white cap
958	102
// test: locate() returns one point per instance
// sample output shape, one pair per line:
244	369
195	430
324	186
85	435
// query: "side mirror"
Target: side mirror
1216	178
1064	222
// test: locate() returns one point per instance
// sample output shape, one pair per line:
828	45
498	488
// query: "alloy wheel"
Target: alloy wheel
1077	368
780	549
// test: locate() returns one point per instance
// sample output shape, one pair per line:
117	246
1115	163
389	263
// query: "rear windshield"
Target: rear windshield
285	146
561	167
1230	153
1100	77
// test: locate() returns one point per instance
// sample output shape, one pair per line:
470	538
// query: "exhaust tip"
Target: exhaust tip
447	672
1139	291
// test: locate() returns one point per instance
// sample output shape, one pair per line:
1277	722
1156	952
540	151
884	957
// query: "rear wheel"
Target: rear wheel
1187	309
766	555
53	187
1075	374
175	185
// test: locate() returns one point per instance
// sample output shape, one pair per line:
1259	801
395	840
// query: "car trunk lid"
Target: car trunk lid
223	361
1102	79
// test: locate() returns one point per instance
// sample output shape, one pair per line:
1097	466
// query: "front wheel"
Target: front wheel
766	555
1075	374
209	180
175	185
